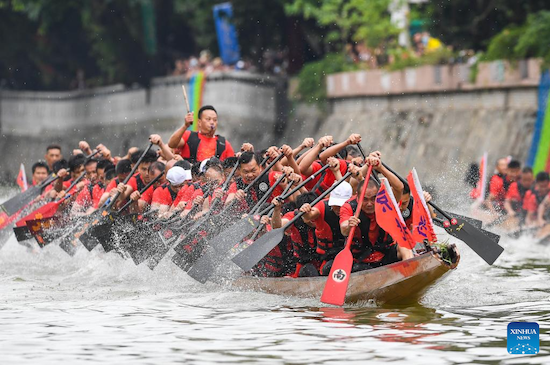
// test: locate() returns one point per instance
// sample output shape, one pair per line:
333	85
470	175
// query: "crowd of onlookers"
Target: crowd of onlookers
272	62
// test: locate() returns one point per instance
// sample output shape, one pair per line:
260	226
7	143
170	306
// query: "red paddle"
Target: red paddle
337	281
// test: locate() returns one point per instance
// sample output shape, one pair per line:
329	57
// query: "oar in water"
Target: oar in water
479	241
205	266
99	216
475	222
338	278
14	204
19	201
99	225
106	232
205	224
155	253
22	231
248	258
244	227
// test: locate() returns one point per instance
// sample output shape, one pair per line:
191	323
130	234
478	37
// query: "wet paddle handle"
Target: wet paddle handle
114	199
141	192
319	198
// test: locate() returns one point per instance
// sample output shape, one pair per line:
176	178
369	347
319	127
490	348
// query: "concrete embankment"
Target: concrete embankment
431	118
250	107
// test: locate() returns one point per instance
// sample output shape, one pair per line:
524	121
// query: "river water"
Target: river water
99	308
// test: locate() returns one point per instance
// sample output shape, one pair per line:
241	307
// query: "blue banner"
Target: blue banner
230	51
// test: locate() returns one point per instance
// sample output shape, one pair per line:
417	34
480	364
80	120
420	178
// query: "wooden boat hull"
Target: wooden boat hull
401	282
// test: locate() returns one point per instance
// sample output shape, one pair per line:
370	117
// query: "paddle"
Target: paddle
205	266
99	216
15	204
337	281
200	225
477	240
103	232
225	240
248	258
155	253
19	201
22	231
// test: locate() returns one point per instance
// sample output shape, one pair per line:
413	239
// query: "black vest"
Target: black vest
363	250
194	141
333	221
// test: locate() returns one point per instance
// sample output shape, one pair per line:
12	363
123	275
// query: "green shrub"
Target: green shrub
312	86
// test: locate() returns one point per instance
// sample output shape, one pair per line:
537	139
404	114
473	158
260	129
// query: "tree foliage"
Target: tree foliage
528	40
349	20
468	24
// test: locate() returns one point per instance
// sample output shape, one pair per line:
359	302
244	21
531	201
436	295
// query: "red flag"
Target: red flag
423	227
22	179
478	193
388	216
45	211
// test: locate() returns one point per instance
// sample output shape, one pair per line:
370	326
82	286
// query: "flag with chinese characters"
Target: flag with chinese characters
22	179
389	218
422	220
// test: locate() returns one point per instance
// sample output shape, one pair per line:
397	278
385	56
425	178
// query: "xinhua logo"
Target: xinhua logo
523	338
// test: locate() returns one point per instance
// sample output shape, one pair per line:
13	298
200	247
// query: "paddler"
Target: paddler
165	195
516	194
372	246
534	199
198	146
325	217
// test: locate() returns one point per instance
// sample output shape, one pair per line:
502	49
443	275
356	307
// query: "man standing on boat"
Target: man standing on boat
198	146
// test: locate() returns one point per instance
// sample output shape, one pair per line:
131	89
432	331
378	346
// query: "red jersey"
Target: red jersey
327	229
303	240
163	195
205	149
90	196
136	182
147	195
532	200
498	186
329	178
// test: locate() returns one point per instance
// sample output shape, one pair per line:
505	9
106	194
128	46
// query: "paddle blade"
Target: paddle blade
69	244
474	222
479	242
248	258
337	281
13	205
206	265
227	239
22	233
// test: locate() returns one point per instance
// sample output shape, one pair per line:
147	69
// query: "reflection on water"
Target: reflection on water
96	307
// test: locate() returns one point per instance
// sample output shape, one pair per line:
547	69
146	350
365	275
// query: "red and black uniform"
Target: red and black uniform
136	182
199	147
163	195
278	262
498	186
258	190
533	198
330	240
516	194
304	243
326	179
371	244
90	196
